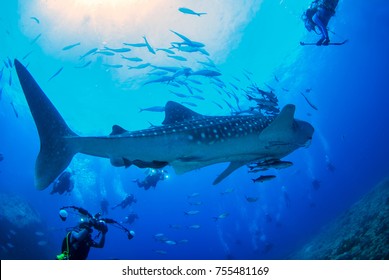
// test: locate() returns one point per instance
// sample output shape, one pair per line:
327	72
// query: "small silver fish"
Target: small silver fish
107	53
207	73
170	242
160	252
36	39
14	109
192	212
165	50
91	51
196	194
194	227
251	199
227	191
190	12
178	57
113	65
136	45
35	19
140	66
153	109
55	74
189	103
221	216
148	45
120	50
135	59
309	102
71	46
84	65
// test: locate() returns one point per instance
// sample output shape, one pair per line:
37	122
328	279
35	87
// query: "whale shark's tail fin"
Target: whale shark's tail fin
55	152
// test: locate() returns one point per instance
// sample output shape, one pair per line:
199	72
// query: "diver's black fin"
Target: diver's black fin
329	44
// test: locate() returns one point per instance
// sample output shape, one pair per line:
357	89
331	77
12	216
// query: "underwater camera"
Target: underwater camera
88	221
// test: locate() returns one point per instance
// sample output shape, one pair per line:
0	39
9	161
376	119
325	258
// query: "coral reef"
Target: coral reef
17	211
361	233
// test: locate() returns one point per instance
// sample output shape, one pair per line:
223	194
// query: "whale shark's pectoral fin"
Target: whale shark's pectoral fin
185	165
231	168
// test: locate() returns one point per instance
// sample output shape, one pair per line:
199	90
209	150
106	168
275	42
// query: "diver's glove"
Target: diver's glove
131	234
104	228
101	226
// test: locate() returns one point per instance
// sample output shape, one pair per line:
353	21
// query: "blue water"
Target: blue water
259	39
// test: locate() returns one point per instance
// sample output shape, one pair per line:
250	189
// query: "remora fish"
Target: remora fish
263	178
186	140
309	102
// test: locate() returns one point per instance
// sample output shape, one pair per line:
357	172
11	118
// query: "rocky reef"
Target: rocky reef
23	236
361	233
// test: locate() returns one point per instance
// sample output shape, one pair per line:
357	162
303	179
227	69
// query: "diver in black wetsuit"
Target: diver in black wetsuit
78	241
318	15
130	218
126	202
152	178
104	206
64	183
286	197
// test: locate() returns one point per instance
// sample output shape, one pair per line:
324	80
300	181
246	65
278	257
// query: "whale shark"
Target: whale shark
186	140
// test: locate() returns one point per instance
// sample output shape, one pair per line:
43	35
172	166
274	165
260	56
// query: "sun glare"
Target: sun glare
99	23
104	2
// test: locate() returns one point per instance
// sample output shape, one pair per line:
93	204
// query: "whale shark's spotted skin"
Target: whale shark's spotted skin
209	130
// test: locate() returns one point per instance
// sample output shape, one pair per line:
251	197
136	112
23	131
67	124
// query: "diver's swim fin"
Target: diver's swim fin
329	44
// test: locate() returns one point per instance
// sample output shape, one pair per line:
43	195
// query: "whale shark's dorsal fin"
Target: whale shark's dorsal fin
175	113
117	130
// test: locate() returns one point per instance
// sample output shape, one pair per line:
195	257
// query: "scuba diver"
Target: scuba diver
318	15
130	218
152	178
126	202
64	182
78	240
104	206
286	197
